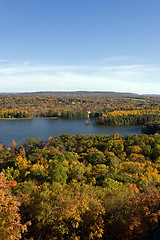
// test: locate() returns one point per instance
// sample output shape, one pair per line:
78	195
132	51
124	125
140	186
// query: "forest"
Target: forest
80	187
107	110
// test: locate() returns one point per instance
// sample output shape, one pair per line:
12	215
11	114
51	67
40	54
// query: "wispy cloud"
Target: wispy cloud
27	76
3	60
120	58
27	62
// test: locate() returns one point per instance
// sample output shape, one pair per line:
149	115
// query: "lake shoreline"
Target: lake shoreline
30	118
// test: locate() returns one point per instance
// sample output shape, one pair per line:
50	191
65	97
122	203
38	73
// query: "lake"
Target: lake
21	129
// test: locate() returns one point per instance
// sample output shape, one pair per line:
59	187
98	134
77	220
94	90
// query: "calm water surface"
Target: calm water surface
19	130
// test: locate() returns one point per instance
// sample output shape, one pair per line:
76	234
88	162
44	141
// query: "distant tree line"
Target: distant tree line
74	115
14	114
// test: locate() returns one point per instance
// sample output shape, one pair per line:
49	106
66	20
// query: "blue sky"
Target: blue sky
69	45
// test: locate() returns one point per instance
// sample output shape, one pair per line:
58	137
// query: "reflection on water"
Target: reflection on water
19	130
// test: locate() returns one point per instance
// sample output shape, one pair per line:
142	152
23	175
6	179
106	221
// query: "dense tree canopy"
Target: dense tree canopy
81	187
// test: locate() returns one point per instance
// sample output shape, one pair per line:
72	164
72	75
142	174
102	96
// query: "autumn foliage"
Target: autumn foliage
107	110
80	187
10	220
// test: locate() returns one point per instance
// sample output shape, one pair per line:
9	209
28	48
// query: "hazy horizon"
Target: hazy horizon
82	92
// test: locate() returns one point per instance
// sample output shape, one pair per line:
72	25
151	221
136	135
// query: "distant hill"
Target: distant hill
75	93
82	94
151	95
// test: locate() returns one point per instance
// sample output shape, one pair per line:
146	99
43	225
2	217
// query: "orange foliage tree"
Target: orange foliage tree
10	220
